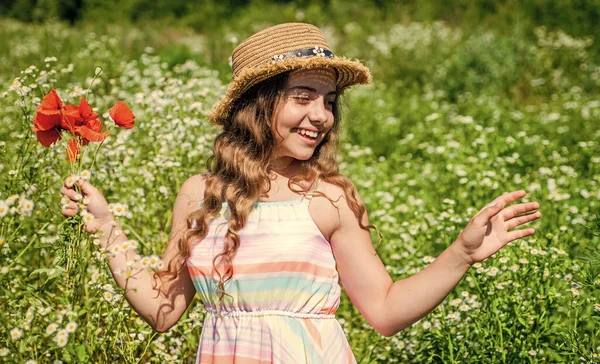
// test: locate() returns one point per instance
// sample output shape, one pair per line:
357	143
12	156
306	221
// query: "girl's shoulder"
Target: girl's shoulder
193	188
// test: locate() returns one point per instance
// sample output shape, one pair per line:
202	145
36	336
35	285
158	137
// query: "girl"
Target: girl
267	235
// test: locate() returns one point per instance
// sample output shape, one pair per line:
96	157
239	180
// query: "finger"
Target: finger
73	195
86	187
510	197
72	206
487	213
523	219
518	234
519	209
68	212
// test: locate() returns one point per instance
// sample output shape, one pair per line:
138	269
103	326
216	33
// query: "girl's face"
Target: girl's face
305	114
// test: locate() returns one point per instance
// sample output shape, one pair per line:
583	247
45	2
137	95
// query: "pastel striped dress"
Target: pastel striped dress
285	291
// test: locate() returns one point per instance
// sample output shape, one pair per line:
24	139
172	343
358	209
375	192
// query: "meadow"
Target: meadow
455	116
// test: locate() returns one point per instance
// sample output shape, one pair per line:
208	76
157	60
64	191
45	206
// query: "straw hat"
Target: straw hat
281	48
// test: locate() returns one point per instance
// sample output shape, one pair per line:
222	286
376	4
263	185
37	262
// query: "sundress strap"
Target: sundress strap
310	193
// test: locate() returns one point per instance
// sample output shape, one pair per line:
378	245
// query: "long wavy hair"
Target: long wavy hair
239	175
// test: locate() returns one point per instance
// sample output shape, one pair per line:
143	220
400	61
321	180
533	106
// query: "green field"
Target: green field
457	114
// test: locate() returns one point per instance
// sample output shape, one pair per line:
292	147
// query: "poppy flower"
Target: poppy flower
122	115
73	150
49	114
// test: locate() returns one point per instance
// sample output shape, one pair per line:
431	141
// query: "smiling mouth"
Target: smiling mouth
308	134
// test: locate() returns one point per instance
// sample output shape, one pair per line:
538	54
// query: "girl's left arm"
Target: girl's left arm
392	306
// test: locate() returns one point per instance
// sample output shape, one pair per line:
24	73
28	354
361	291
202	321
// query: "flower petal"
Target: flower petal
73	149
85	110
90	134
51	101
122	115
43	121
47	137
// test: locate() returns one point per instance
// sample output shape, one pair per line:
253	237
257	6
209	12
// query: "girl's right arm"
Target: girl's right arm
141	288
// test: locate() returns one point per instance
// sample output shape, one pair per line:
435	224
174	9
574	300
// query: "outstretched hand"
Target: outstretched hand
488	231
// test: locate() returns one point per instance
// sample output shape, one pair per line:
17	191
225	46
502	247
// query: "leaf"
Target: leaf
81	353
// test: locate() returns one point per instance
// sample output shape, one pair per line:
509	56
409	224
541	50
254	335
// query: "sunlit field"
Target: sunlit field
453	118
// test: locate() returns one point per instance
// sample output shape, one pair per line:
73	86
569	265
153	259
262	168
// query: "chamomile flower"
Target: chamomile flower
493	271
51	329
16	333
108	296
4	208
62	338
71	327
70	181
4	351
85	175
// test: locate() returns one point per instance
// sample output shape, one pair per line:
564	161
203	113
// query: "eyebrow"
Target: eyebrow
312	90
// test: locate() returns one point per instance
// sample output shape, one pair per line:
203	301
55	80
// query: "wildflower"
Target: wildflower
51	329
533	251
62	338
503	260
85	174
71	327
70	181
597	307
154	261
4	351
115	249
31	361
16	333
426	325
464	307
125	245
523	261
4	208
575	291
108	296
532	352
493	271
455	302
121	115
145	262
465	294
546	272
568	277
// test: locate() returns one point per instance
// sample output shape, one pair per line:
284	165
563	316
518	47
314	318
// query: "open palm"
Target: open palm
489	230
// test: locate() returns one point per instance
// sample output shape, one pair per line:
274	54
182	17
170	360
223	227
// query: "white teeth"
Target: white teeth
312	134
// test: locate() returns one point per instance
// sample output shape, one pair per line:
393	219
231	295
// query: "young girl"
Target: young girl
267	235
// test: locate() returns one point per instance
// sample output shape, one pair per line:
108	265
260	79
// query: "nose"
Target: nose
318	112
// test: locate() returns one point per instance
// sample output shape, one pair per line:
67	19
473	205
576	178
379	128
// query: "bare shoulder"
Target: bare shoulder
329	214
192	190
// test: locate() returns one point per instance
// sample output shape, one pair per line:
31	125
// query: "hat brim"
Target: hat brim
349	72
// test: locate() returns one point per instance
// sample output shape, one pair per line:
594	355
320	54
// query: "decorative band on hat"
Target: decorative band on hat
307	52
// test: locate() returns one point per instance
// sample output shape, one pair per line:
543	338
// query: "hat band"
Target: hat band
300	53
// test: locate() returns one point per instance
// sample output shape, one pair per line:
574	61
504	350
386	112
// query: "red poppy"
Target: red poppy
49	113
122	115
73	150
80	120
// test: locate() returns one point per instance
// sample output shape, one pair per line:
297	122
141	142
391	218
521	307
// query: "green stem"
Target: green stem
27	247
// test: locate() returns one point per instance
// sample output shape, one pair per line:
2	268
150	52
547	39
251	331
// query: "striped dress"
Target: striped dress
284	291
